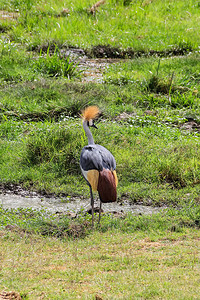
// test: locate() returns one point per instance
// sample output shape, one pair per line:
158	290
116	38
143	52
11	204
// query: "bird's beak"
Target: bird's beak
93	125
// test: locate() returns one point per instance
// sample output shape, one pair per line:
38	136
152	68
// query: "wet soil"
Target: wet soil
91	68
108	51
4	295
92	62
69	205
192	126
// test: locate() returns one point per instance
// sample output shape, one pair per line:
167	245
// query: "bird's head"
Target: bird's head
89	114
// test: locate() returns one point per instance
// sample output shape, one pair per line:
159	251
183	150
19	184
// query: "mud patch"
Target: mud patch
93	69
191	126
70	205
107	51
14	228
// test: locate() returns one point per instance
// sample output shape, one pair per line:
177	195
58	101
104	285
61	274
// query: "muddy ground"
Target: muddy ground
67	205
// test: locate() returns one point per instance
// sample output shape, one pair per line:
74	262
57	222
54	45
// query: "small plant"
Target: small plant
55	65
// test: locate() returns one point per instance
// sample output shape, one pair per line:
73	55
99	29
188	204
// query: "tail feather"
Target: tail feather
107	186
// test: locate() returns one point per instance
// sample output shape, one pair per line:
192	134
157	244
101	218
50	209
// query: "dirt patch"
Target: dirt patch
107	51
7	15
10	296
78	230
191	126
16	229
147	244
15	189
93	69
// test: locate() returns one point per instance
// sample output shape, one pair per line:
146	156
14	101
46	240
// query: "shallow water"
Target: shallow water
70	205
93	69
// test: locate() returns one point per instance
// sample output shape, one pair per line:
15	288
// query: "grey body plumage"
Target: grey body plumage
97	164
96	157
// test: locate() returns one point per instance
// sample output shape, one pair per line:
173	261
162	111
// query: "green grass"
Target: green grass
139	25
19	66
150	157
144	252
172	76
150	108
44	223
157	157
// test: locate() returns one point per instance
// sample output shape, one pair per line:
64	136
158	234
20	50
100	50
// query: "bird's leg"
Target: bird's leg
100	211
92	204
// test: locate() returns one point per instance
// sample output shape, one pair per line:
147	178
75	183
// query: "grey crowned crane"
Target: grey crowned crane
97	164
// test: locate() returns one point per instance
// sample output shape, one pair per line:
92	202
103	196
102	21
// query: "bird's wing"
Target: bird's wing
96	157
107	158
91	159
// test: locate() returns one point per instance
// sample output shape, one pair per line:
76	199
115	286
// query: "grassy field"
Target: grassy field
140	25
150	121
50	257
121	266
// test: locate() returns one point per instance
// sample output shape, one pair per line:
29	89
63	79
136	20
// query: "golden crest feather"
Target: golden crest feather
90	112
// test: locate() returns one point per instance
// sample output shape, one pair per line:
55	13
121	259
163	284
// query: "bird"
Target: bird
97	164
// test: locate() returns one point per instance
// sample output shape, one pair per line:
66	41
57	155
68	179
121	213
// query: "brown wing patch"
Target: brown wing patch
107	186
93	178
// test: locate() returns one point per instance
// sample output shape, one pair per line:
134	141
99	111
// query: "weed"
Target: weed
18	66
54	65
